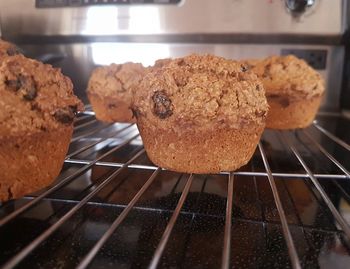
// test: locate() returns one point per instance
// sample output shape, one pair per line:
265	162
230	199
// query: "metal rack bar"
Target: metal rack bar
190	230
80	126
92	253
87	112
95	130
331	136
286	232
150	209
327	154
79	119
165	237
343	224
260	174
228	223
15	260
82	149
62	183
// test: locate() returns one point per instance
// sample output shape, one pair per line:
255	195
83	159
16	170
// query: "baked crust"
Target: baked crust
292	115
294	90
34	97
110	91
201	93
200	114
37	109
287	76
111	109
7	49
202	153
31	162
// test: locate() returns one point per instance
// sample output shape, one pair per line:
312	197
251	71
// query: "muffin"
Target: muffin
37	108
7	49
200	114
110	91
294	90
161	62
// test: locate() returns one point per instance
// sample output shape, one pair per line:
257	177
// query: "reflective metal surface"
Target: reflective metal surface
20	17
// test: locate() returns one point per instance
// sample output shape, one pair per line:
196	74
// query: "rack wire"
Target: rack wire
316	158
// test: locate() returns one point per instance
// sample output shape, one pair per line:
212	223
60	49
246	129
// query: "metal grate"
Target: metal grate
111	207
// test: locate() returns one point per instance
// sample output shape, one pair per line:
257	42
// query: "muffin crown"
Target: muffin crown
200	91
34	97
287	75
115	79
7	49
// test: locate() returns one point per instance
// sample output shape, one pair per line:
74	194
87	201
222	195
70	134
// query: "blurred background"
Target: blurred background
77	35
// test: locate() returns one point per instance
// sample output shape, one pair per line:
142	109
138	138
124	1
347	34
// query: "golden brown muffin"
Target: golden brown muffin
161	62
200	114
293	90
110	91
37	108
7	49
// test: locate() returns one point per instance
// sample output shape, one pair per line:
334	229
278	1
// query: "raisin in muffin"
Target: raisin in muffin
37	108
110	91
294	90
200	114
7	49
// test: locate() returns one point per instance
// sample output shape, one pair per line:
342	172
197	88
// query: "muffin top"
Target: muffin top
117	79
287	76
7	49
161	62
200	91
34	97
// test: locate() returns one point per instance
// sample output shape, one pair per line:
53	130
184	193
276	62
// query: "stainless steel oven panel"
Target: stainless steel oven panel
20	17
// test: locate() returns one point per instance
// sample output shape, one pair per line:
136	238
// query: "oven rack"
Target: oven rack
88	130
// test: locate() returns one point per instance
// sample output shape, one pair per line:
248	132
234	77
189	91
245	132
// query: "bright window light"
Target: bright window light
145	53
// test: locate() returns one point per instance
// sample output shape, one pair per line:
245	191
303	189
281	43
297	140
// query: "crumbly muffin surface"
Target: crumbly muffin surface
161	62
7	49
115	79
34	97
287	76
200	91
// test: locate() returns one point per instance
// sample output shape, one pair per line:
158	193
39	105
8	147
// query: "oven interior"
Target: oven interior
110	207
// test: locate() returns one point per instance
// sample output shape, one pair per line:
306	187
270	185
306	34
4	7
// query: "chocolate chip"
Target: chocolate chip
257	88
267	71
163	107
35	106
135	112
30	93
260	113
12	51
244	68
74	108
25	84
64	115
111	106
181	62
13	84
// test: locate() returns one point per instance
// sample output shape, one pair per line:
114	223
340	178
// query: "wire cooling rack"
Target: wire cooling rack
112	208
